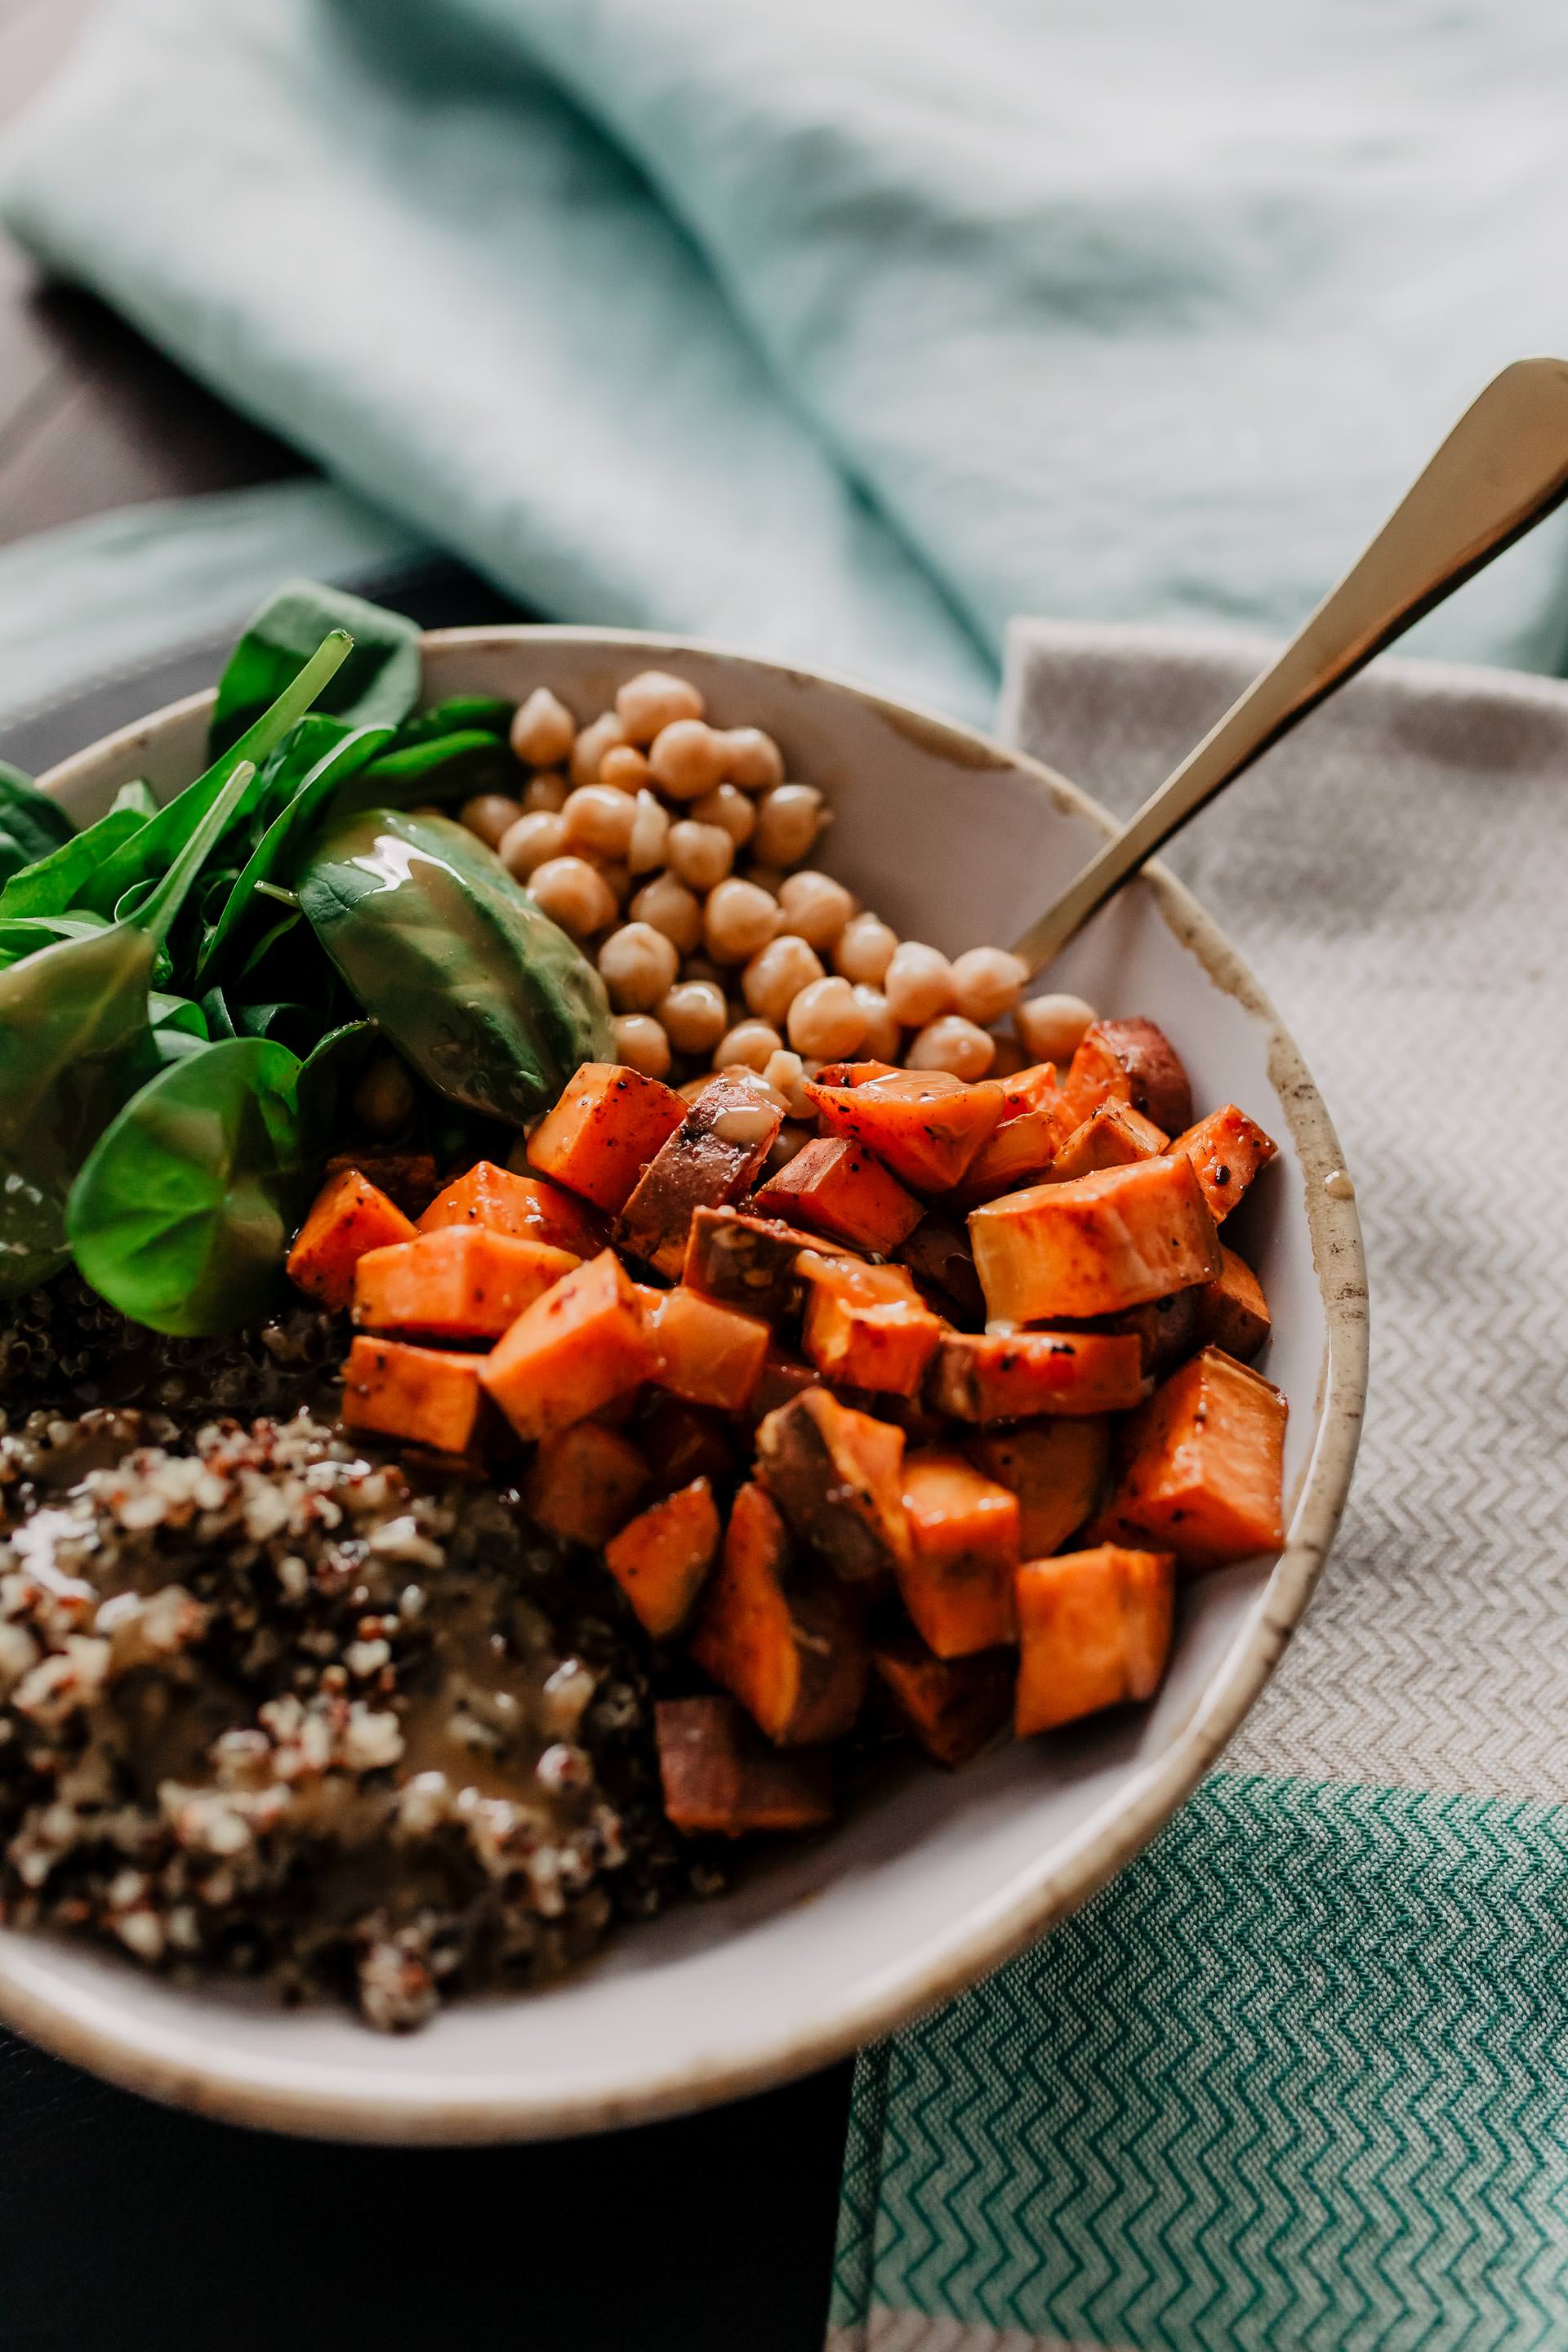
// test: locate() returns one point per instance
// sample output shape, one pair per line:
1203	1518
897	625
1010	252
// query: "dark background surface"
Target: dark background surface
125	2226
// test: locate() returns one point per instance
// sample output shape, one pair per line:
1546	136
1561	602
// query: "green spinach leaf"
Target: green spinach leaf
23	935
51	887
461	712
33	819
182	1213
326	1073
469	979
378	682
446	768
137	796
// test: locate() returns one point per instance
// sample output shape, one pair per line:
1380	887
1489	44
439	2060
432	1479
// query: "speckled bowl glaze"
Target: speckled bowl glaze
937	1878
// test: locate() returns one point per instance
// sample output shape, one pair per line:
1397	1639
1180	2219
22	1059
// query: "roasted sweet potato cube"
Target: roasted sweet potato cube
938	1256
745	1261
837	1477
572	1351
856	1073
707	1353
867	1326
349	1216
1232	1312
1055	1468
837	1189
711	1157
1094	1247
1020	1152
602	1132
460	1283
584	1482
957	1578
1202	1464
990	1376
1227	1149
781	1636
1112	1137
719	1779
1094	1631
922	1124
525	1207
660	1559
1132	1062
424	1395
952	1707
1034	1087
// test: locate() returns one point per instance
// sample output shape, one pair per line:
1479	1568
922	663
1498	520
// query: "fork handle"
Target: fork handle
1502	468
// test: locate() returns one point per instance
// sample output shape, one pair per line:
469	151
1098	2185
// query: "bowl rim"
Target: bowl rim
162	2063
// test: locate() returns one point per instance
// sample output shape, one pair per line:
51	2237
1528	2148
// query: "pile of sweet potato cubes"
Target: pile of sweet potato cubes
831	1428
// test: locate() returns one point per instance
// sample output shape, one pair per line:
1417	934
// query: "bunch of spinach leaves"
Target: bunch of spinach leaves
188	993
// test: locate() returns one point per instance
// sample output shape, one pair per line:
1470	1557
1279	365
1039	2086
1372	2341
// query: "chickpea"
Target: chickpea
638	966
591	745
987	983
786	1073
546	791
776	975
686	760
826	1022
651	831
542	728
599	821
654	701
738	919
670	907
702	854
641	1045
789	819
1050	1028
383	1100
624	767
955	1045
918	984
695	1016
491	814
815	905
865	950
574	894
527	844
881	1030
730	809
750	1042
753	760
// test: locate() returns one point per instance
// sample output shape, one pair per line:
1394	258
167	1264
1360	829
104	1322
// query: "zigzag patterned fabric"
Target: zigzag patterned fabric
1299	2077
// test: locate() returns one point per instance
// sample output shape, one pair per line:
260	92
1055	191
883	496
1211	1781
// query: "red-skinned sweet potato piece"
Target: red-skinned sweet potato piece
572	1351
1055	1468
866	1325
1021	1151
952	1707
584	1482
1114	1136
1228	1150
781	1636
720	1778
957	1579
1166	1329
711	1157
527	1208
1013	1376
460	1283
838	1190
924	1126
349	1217
1232	1312
425	1396
704	1352
745	1261
601	1135
660	1559
1133	1061
1034	1087
938	1256
837	1477
1202	1464
1094	1631
1094	1247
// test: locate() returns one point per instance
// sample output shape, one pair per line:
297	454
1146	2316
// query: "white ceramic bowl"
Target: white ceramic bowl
939	1877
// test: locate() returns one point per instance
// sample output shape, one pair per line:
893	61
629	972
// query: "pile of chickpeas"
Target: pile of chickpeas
674	852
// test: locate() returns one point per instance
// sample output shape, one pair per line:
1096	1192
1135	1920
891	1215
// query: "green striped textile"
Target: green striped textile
1297	2078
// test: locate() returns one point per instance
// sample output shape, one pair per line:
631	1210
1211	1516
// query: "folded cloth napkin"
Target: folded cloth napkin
1299	2077
844	329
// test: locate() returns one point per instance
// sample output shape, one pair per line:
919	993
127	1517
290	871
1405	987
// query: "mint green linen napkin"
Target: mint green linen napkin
844	329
